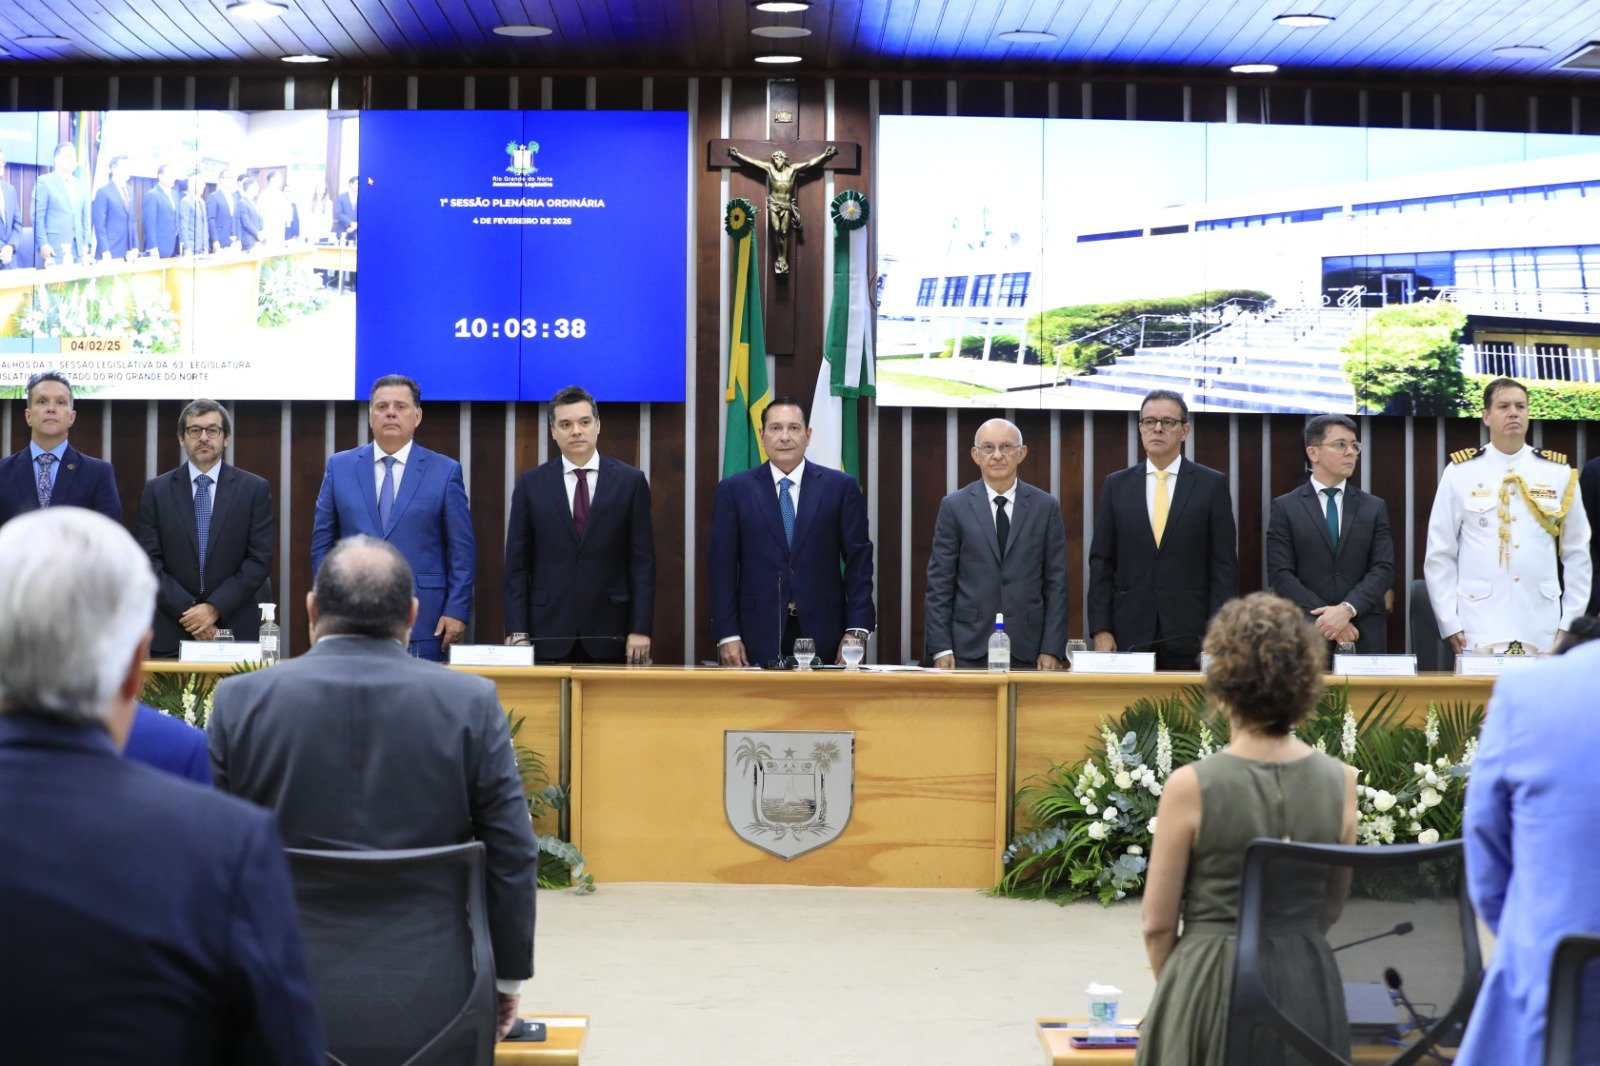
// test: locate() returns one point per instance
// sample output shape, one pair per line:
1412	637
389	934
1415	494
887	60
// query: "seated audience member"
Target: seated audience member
1584	628
1530	804
1265	672
143	919
433	745
166	743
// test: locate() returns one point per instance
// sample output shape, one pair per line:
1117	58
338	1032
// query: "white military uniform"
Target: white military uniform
1491	561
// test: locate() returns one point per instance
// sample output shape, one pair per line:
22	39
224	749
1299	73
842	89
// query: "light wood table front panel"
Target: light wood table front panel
931	790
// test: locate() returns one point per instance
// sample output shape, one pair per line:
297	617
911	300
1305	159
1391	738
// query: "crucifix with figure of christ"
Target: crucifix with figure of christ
788	160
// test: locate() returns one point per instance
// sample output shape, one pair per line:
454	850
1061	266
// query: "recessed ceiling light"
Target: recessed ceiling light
1301	19
256	9
44	41
524	30
777	59
781	31
1254	68
305	59
1521	51
783	7
1027	36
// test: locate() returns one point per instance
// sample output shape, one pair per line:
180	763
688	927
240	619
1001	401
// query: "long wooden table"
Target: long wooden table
939	758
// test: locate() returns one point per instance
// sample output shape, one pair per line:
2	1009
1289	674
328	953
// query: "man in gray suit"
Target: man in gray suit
1328	544
999	547
358	746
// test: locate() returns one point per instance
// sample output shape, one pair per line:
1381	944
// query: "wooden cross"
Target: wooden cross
778	300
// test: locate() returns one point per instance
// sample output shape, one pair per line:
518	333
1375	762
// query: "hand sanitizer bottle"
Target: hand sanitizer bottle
999	647
269	634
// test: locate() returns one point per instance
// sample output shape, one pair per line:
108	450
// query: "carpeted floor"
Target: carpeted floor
712	974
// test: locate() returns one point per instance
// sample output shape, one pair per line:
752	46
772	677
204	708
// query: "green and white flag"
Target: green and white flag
847	371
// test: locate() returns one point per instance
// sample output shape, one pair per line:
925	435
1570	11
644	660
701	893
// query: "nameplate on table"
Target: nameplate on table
1357	665
1113	662
491	655
1490	665
219	651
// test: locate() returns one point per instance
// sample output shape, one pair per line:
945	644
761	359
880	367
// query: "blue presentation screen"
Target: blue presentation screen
506	254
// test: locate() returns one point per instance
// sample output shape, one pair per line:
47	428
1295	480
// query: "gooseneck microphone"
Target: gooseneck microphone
1391	977
1399	930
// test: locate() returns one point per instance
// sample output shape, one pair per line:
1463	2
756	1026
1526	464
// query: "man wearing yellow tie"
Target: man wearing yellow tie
1164	558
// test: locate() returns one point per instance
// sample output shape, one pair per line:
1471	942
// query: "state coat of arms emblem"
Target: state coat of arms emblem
788	792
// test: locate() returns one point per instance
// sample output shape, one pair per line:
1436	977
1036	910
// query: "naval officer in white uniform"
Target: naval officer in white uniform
1503	514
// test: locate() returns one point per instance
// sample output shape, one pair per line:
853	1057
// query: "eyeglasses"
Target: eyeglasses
208	432
1344	447
1168	424
1004	449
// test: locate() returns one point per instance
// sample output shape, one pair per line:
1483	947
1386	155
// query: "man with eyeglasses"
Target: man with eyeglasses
1328	543
1504	515
207	527
50	472
999	547
1164	558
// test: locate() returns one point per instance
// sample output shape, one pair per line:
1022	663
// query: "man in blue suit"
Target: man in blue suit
169	744
160	211
790	556
116	227
10	219
222	208
49	471
415	499
61	230
144	919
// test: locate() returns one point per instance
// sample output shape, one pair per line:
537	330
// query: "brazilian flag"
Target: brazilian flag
748	391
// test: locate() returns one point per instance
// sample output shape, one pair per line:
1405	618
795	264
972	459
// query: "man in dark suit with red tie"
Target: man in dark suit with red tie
49	471
116	228
1164	558
207	527
580	549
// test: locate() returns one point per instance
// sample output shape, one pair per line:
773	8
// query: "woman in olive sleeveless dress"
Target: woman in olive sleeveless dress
1265	670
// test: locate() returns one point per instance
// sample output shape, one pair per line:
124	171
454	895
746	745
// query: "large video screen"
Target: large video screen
301	254
1080	264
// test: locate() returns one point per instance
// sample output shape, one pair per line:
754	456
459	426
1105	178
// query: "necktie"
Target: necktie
1158	513
202	520
786	509
1333	515
46	482
386	494
1002	525
580	502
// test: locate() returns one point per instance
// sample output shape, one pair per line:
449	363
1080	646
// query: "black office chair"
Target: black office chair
1432	650
1340	945
1572	1020
398	943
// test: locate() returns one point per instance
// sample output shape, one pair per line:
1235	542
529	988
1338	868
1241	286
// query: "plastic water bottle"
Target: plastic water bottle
269	634
999	647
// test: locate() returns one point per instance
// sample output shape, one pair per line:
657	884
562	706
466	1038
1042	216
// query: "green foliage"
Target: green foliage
1002	348
561	864
1408	360
104	307
1051	332
1554	400
288	289
187	697
1411	786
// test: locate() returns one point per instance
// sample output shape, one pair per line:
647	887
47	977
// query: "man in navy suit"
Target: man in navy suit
10	219
1328	543
790	556
222	585
344	212
580	549
49	471
61	230
144	919
221	209
1164	558
247	217
165	742
399	491
116	228
160	210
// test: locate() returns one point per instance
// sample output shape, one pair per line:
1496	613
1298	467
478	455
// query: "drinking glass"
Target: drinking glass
805	650
852	649
222	636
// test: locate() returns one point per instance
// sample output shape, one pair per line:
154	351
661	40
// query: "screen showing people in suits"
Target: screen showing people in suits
298	254
1079	263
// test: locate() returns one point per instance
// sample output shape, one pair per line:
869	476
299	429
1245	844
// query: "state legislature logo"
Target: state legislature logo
791	792
522	158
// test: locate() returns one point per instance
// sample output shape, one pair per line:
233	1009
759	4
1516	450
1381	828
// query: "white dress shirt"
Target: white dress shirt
795	475
214	473
1322	499
401	457
571	479
1150	486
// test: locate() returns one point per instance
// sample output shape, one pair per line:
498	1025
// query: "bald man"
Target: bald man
999	547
